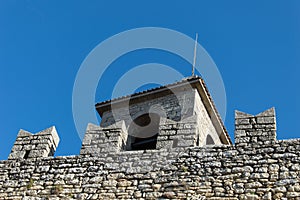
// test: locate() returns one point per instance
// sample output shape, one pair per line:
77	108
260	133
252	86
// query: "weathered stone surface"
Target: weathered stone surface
41	144
181	167
176	173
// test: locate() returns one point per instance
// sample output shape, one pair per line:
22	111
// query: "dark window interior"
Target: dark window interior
144	143
143	132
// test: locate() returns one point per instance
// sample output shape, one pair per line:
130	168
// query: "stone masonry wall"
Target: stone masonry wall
257	167
204	123
99	140
41	144
173	106
181	108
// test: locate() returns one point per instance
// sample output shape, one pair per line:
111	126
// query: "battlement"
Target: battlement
257	166
165	143
249	130
115	138
41	144
255	130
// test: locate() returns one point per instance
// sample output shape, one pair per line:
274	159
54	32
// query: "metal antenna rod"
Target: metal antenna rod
195	55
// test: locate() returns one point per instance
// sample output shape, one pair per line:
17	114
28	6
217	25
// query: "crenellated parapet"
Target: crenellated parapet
257	166
252	130
166	143
41	144
110	139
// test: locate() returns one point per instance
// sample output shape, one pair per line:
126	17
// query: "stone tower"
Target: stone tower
181	114
165	143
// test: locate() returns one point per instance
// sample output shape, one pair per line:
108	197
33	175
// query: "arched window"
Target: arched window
209	140
143	132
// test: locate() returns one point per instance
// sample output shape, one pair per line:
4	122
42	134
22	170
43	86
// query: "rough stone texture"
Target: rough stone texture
181	166
178	102
204	126
41	144
257	167
186	107
178	115
259	129
98	140
171	134
172	106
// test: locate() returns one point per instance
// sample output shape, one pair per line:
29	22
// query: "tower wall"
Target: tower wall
183	118
172	106
205	127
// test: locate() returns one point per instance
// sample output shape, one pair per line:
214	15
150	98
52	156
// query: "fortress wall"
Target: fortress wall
270	171
257	167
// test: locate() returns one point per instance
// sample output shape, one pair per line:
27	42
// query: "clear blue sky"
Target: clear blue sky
255	44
